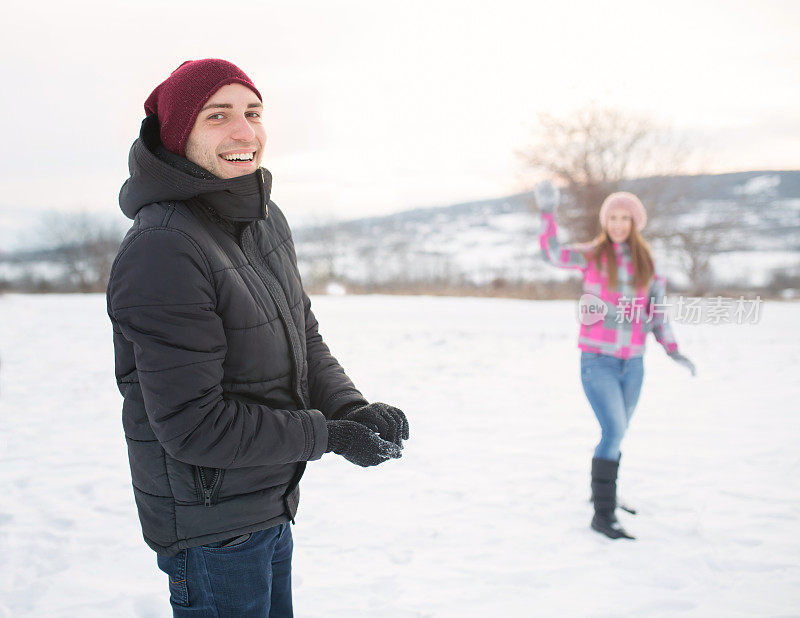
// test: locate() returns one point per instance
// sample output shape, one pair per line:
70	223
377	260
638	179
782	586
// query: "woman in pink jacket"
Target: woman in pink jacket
623	300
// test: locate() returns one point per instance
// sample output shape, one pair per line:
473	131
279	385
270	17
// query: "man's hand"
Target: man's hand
359	444
387	421
682	360
547	196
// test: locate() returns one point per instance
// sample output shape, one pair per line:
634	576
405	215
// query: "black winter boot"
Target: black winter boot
604	496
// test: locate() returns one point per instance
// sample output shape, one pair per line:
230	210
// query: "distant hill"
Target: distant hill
485	240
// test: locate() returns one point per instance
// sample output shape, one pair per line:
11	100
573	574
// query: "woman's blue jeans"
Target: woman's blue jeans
246	577
612	386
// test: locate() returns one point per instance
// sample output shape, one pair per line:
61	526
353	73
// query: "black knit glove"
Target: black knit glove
387	421
359	444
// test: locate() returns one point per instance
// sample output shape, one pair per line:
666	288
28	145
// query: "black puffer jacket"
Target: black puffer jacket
227	383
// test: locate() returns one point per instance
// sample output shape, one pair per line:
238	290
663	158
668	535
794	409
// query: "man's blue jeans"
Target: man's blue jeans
612	386
249	578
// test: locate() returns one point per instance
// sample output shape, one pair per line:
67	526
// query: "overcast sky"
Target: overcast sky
374	107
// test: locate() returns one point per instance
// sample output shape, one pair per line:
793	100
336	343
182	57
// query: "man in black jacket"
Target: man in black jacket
228	386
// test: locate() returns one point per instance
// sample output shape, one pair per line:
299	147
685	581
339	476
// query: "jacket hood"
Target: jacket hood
158	175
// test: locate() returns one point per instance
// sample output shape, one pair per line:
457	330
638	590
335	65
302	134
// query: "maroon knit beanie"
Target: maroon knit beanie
179	98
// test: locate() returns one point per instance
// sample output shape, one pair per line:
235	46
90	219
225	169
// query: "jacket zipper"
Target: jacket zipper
279	298
274	289
209	491
294	482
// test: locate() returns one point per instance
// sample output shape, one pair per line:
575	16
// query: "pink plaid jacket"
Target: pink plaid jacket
631	313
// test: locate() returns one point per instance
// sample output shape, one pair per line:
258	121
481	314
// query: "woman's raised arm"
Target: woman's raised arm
554	252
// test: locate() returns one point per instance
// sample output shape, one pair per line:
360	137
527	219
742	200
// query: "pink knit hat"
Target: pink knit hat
624	201
179	98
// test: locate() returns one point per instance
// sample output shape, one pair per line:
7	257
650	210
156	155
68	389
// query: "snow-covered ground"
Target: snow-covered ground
485	515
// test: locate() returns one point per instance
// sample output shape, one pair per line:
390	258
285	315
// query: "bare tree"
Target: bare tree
597	151
84	244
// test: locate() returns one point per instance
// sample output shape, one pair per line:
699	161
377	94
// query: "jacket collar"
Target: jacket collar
158	175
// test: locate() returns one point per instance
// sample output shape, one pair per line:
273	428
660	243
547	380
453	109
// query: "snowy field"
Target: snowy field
485	515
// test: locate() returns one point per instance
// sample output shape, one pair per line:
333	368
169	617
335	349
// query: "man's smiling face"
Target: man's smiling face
228	138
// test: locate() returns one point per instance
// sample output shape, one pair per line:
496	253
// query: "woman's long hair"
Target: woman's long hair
643	268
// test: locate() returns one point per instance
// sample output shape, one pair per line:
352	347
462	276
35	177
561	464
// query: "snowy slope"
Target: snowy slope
485	515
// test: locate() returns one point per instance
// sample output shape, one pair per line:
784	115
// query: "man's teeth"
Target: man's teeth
244	156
